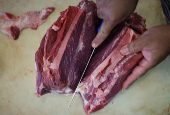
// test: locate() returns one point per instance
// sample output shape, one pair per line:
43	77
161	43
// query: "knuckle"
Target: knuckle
133	47
113	18
99	14
104	33
140	72
136	75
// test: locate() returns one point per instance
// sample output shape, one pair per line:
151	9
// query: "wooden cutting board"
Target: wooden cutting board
150	95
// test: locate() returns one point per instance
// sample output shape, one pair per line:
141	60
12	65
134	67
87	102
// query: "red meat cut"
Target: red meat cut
108	68
12	26
65	49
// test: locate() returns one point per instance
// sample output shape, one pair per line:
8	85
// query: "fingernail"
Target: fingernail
124	50
93	45
127	88
123	89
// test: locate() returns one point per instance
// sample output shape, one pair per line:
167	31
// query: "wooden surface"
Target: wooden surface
150	95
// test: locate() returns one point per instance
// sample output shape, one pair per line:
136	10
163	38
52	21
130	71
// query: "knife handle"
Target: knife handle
100	26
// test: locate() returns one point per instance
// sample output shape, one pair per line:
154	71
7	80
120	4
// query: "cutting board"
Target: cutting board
149	95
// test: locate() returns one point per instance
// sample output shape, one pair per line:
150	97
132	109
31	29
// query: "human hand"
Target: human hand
113	12
155	47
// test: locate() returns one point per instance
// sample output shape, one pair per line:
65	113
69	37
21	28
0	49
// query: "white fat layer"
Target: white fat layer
92	106
46	64
77	94
107	90
5	31
41	86
35	66
36	92
55	28
16	22
67	94
66	90
120	65
56	91
85	102
82	6
54	64
116	75
81	46
43	12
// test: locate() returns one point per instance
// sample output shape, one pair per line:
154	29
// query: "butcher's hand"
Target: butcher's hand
155	47
113	12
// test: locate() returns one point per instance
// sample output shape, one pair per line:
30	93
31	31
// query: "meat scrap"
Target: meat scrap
108	69
65	49
12	26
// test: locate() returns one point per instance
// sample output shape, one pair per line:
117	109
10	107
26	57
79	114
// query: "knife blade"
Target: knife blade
84	69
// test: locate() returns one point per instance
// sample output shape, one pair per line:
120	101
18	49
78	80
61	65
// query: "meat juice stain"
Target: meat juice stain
26	74
150	8
13	78
17	50
30	71
166	111
27	71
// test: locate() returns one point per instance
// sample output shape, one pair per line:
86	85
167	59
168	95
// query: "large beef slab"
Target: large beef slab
109	68
65	49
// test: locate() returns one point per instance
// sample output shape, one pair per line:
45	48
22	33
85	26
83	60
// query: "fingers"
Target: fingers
103	33
133	47
140	70
137	72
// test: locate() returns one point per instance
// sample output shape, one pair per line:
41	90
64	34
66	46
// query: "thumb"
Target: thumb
105	30
133	47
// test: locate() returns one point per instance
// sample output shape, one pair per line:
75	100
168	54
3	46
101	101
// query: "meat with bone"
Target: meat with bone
65	49
12	26
108	68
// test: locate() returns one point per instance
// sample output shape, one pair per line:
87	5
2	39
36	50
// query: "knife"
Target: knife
84	69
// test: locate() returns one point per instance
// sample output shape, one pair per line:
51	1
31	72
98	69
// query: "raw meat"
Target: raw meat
12	26
108	68
65	49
